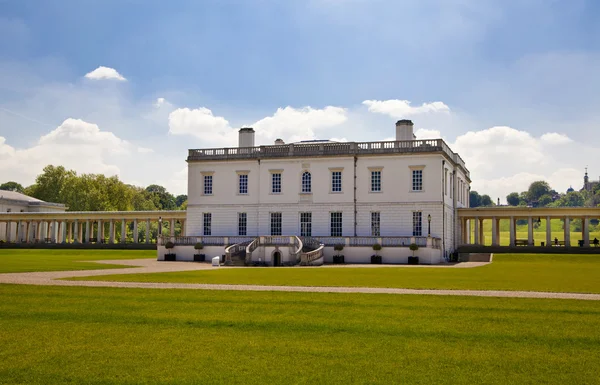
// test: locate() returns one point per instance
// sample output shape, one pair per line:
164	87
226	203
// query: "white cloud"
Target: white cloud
201	123
402	109
423	133
145	150
555	138
159	102
105	73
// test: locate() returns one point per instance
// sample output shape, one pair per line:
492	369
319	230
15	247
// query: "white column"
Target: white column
172	229
53	231
64	232
530	231
512	231
19	233
183	228
8	231
549	231
100	231
567	231
88	231
123	230
147	230
494	231
135	231
477	233
111	229
585	225
76	233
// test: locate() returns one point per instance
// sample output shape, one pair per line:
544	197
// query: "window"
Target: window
375	224
207	224
243	183
306	182
305	224
451	186
375	181
336	181
276	183
336	224
445	181
242	223
417	180
208	185
417	223
275	223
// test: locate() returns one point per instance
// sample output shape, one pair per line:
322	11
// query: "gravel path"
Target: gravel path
52	278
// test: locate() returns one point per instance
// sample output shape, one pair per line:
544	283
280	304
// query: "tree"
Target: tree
537	189
49	185
474	199
544	200
12	186
179	199
513	199
166	201
486	200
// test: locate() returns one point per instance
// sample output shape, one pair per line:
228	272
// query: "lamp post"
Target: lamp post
159	226
429	225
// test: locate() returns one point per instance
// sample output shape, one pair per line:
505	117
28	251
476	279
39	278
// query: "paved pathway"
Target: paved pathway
152	266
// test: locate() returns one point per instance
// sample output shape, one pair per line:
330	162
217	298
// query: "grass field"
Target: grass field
531	272
52	335
18	260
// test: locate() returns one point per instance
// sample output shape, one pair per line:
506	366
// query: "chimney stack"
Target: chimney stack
404	130
246	138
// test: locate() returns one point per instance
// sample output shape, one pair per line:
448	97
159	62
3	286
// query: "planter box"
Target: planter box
199	257
376	259
338	259
413	260
170	257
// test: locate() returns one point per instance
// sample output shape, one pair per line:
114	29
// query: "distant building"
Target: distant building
12	201
588	185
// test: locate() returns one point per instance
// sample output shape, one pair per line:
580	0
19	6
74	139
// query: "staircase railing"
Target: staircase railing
311	256
250	248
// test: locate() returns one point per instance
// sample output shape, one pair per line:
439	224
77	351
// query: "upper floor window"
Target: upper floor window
276	183
208	184
336	224
375	224
243	183
306	182
376	181
242	224
276	225
417	223
336	181
207	222
417	180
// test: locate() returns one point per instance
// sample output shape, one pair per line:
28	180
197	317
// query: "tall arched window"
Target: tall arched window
306	182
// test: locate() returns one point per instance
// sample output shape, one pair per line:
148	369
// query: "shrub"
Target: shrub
377	247
338	247
199	246
413	247
169	245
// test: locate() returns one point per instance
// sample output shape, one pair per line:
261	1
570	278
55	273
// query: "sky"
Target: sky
127	87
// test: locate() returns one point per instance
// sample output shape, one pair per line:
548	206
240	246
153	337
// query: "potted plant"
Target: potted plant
338	258
413	260
170	256
376	259
199	257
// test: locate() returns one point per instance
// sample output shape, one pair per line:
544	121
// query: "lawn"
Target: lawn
22	260
530	272
51	335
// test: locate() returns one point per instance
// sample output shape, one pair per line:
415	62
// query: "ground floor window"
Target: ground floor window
275	223
375	224
336	224
207	224
305	224
242	223
417	223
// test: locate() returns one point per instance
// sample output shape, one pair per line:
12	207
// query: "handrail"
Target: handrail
311	256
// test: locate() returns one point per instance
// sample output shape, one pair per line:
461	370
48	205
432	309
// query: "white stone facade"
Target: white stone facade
376	177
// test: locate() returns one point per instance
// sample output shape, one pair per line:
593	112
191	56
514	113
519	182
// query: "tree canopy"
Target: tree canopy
12	186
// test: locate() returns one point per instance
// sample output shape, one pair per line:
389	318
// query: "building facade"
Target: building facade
396	188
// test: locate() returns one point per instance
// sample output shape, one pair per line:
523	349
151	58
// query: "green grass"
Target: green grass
18	260
54	335
531	272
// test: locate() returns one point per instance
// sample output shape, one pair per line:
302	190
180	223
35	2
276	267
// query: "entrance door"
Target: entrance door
277	258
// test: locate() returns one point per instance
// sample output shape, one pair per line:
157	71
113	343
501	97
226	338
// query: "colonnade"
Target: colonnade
92	228
471	229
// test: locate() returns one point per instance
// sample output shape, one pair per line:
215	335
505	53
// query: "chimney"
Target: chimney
404	130
279	142
246	138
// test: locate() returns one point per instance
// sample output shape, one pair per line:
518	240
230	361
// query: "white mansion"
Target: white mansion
405	188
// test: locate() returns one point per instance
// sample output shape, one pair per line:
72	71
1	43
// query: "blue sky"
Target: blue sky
509	72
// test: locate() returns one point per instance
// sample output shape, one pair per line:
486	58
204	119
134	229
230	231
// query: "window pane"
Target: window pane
243	184
306	182
276	183
417	224
275	223
305	224
207	224
375	224
208	184
336	224
417	180
375	181
336	181
242	223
